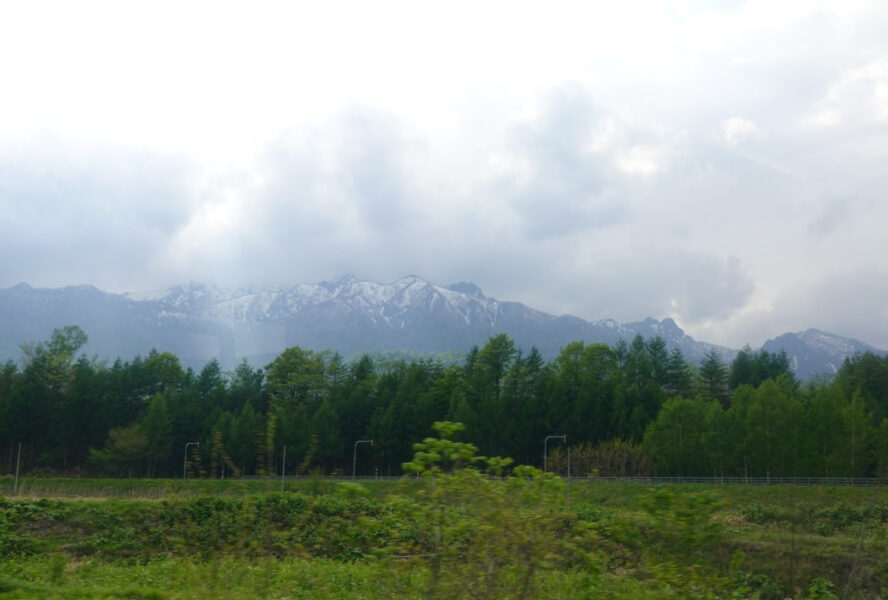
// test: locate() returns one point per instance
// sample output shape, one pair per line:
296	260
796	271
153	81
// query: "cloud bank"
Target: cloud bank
722	167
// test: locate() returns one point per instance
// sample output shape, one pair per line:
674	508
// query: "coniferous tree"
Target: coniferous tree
325	425
743	369
714	377
679	377
868	373
659	357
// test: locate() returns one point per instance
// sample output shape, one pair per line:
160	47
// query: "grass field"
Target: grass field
389	539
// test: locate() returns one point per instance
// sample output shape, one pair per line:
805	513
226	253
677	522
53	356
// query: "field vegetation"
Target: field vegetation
458	526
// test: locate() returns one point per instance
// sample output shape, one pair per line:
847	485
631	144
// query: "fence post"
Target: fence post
17	462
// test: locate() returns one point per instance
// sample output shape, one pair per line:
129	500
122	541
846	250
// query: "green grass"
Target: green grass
50	487
242	539
303	579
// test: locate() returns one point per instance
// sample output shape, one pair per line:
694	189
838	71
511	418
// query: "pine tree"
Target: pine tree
714	377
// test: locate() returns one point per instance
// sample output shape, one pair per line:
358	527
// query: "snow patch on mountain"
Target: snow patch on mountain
199	322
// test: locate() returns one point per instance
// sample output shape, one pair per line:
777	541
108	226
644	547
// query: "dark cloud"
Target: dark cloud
356	164
583	209
343	198
852	303
89	216
559	168
832	216
328	201
371	155
692	287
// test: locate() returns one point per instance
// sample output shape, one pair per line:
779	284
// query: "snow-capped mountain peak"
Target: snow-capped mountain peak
198	322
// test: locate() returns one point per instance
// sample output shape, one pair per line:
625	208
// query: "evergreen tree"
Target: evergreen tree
679	377
241	441
246	384
743	369
659	357
869	374
714	377
325	425
755	367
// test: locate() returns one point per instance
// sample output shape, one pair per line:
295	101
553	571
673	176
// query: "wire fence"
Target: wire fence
785	481
159	489
650	480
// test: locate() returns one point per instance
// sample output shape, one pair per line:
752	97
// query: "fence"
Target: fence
800	481
158	489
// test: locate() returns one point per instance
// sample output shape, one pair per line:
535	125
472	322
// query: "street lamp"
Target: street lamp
185	464
355	454
562	437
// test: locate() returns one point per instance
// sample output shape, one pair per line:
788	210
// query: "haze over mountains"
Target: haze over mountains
200	322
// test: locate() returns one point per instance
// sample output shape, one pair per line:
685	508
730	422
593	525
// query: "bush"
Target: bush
760	514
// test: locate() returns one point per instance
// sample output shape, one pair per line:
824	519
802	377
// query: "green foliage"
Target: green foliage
753	368
867	373
683	521
760	513
125	449
485	533
157	428
496	537
75	415
757	586
675	440
821	589
714	377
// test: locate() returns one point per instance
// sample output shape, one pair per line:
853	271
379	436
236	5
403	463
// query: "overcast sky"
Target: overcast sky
726	167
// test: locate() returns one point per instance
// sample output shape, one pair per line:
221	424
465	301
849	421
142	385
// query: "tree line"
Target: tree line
634	408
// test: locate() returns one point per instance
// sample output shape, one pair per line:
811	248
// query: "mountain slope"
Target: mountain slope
199	322
353	316
813	351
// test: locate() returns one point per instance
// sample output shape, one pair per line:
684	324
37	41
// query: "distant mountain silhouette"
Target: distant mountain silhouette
199	322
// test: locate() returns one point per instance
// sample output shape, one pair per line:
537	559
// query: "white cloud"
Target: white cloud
640	160
736	130
858	98
622	160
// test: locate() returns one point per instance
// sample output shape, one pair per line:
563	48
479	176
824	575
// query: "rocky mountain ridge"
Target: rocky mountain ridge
199	322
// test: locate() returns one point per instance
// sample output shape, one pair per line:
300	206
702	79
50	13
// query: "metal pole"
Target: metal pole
568	474
185	462
18	461
355	455
546	448
283	468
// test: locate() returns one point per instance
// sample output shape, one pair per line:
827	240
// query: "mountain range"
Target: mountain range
200	322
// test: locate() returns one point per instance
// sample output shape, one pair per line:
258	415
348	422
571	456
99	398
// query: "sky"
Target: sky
720	163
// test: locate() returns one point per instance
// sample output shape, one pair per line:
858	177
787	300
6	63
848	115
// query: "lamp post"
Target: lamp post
563	438
355	454
185	462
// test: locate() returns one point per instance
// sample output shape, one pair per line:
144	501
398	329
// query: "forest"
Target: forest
633	409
